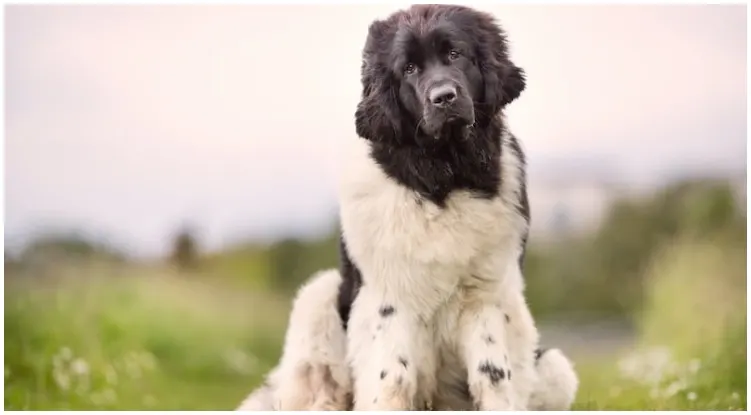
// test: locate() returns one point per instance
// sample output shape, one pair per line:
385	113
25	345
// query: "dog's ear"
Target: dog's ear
377	115
504	81
513	84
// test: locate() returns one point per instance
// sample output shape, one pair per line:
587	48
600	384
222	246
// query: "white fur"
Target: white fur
442	305
312	374
451	275
557	383
308	346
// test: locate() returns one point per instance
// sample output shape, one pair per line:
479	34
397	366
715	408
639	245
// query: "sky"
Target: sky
129	121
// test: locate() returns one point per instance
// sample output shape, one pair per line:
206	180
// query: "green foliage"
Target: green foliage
69	246
604	273
128	336
692	336
151	340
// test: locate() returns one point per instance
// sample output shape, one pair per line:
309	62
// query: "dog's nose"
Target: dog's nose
443	96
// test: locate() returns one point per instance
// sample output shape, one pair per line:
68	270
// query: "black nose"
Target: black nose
443	96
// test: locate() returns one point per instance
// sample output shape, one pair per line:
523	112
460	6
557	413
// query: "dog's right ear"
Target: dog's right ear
377	115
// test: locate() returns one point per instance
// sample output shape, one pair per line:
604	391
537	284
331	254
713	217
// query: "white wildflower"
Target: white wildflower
79	367
649	366
674	388
61	379
691	396
735	396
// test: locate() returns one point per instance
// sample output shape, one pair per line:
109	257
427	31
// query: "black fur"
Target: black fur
350	285
493	372
446	43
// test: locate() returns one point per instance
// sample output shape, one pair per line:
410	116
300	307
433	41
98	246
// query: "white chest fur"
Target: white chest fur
384	221
434	279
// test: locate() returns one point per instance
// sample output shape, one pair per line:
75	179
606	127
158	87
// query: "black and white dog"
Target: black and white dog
428	309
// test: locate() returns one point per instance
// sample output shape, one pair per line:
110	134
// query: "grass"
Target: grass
692	352
150	339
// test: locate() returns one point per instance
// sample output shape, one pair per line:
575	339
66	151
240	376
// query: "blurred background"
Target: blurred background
170	183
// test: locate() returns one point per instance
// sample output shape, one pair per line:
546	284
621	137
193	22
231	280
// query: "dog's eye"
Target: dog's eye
410	68
454	54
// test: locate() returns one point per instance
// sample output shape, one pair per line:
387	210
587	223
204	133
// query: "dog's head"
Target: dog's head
434	71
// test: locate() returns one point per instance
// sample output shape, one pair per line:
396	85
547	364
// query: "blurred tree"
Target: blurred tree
604	272
58	247
185	249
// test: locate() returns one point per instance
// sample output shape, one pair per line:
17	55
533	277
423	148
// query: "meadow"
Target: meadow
91	333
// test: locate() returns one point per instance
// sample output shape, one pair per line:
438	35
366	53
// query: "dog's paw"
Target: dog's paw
557	382
396	389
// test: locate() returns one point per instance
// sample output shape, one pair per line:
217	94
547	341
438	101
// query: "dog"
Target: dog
427	310
313	373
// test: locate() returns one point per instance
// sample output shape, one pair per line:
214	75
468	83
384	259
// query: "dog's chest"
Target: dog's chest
383	218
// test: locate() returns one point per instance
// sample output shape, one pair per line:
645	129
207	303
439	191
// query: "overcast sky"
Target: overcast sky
129	120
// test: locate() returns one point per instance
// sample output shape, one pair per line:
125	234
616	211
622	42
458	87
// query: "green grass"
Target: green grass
139	338
150	340
692	351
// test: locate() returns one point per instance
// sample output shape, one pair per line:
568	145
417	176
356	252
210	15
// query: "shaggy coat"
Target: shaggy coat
429	301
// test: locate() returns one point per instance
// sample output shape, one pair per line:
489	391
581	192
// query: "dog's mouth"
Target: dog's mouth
454	126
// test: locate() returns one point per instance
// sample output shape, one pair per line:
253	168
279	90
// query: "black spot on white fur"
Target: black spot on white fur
386	310
539	352
403	362
493	372
443	166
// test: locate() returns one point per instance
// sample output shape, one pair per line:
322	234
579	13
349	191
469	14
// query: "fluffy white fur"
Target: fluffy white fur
313	373
451	275
315	338
442	305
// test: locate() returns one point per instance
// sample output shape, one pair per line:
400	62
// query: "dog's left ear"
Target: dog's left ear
512	84
504	81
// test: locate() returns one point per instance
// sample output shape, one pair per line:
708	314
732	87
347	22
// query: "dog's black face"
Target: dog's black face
432	73
439	80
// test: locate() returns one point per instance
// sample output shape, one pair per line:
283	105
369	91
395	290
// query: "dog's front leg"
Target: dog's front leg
392	353
483	340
